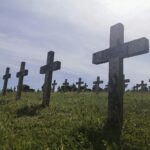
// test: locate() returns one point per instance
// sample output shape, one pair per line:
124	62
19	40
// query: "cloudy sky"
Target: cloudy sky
74	29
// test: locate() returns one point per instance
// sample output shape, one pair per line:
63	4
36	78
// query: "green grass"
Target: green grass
72	122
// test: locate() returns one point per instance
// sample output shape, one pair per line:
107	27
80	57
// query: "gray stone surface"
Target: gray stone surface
5	78
20	75
114	55
48	71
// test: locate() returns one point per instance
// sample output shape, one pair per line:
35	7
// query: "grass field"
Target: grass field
72	122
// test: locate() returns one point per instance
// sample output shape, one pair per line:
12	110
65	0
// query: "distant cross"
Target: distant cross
85	86
5	78
97	84
125	82
143	85
65	84
79	83
114	55
48	71
21	75
54	85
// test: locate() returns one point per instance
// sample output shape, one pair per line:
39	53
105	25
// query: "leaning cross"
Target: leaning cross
53	86
114	55
48	71
21	75
97	84
5	78
79	83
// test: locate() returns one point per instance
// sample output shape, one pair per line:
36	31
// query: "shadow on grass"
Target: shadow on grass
29	110
5	102
100	138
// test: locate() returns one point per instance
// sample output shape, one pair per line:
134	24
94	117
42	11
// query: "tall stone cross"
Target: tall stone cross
5	78
85	87
79	83
21	75
48	71
114	55
97	84
143	85
54	85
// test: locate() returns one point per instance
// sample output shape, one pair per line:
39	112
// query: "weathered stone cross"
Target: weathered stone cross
54	85
143	85
21	75
97	84
5	78
48	71
79	83
114	55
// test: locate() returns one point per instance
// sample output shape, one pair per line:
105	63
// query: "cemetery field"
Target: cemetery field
72	122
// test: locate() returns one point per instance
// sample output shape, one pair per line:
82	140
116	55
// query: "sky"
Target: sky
74	30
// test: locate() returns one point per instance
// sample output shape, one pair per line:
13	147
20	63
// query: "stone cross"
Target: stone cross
65	84
125	82
114	55
79	83
97	84
85	86
21	75
5	78
143	85
53	86
48	71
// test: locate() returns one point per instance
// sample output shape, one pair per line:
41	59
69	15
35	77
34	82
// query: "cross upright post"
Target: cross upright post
79	83
20	75
48	71
53	86
97	84
114	55
5	78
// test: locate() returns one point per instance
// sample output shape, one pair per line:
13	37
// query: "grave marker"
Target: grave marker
114	55
143	86
5	78
97	84
54	85
48	71
79	83
20	75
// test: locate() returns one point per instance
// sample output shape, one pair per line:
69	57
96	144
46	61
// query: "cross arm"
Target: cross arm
7	76
133	48
56	66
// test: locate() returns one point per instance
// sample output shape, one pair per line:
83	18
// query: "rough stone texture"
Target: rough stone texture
54	85
114	55
20	75
5	78
97	84
48	71
79	83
